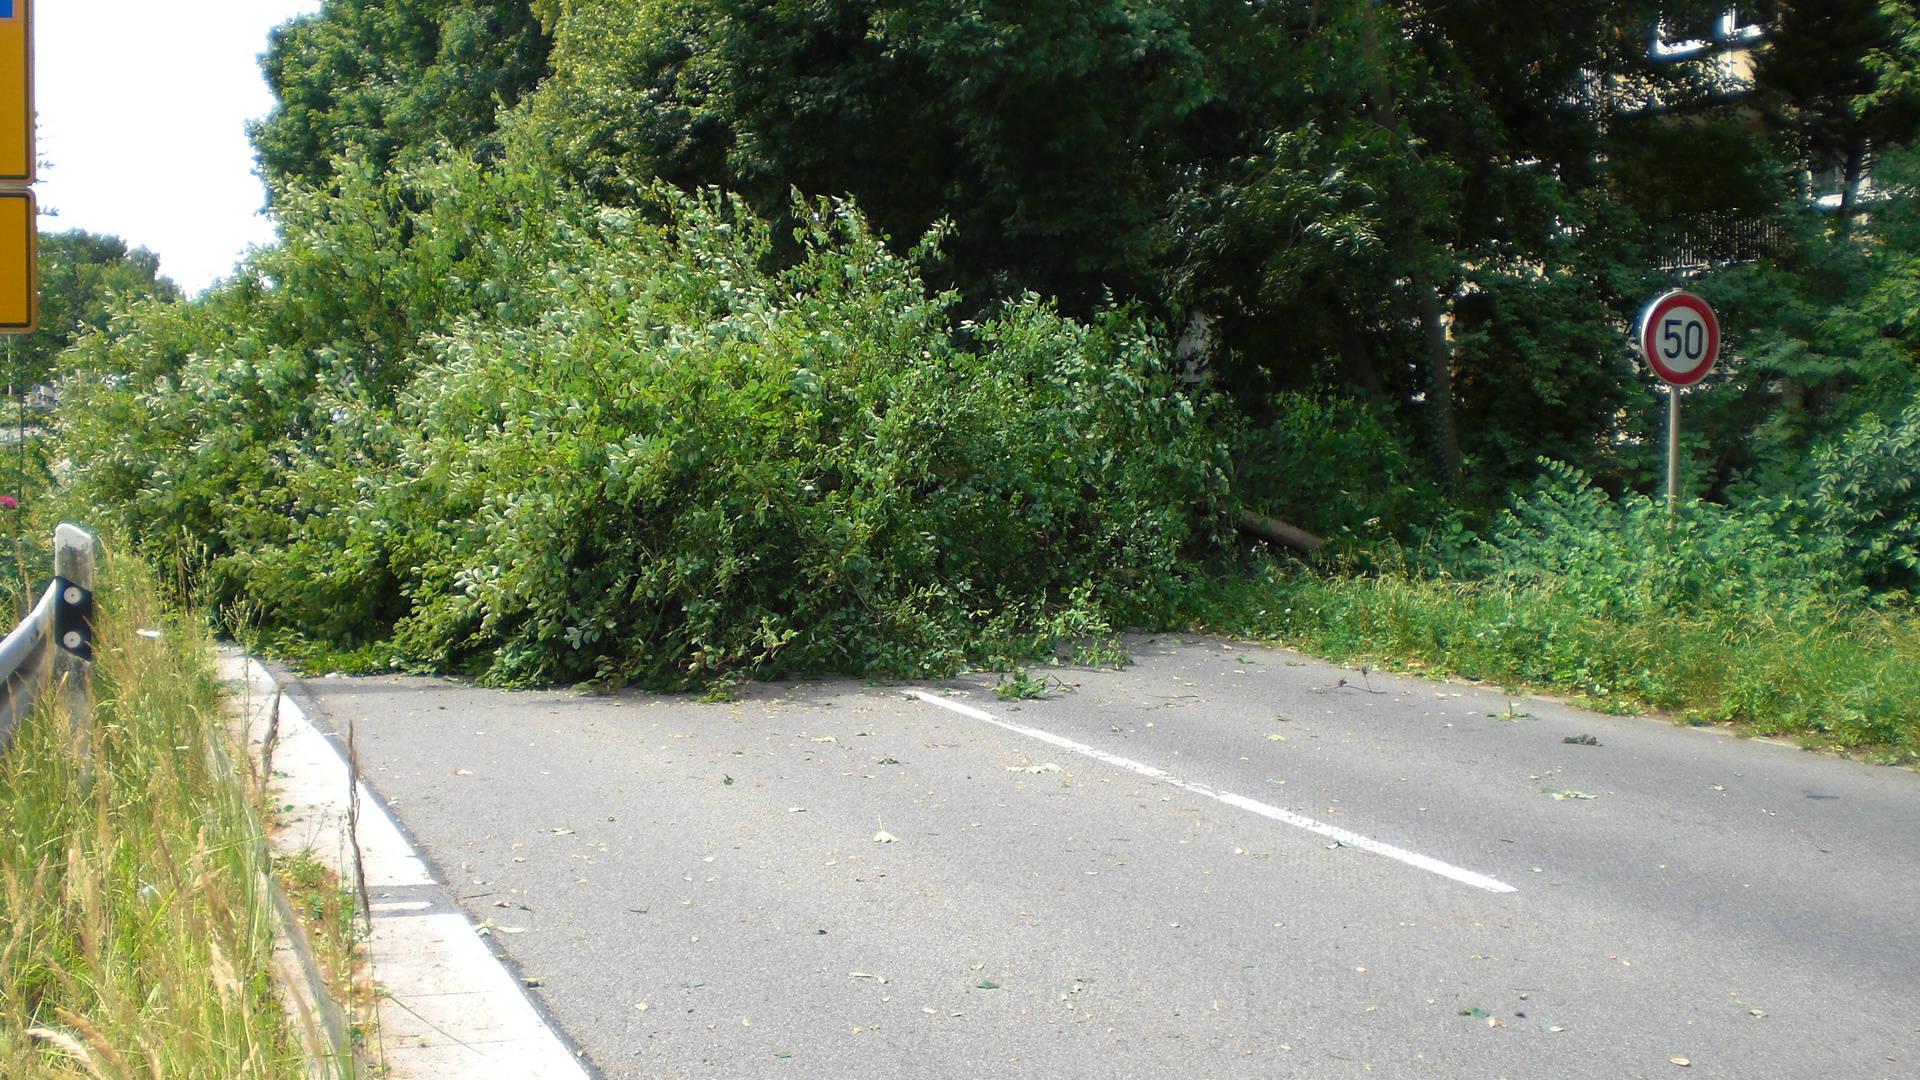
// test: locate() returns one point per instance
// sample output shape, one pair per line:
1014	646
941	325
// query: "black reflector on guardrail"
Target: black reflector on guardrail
73	618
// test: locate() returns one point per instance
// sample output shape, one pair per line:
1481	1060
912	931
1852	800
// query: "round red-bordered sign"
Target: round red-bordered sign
1679	336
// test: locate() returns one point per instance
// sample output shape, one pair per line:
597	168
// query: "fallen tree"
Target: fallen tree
1275	531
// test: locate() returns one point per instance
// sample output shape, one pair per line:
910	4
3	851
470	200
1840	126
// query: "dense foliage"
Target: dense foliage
84	277
390	80
563	369
1325	187
651	457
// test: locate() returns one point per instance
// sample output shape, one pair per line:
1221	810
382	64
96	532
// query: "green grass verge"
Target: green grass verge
135	926
1841	675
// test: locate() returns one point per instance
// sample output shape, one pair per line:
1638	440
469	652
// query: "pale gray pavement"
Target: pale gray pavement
1138	930
448	1010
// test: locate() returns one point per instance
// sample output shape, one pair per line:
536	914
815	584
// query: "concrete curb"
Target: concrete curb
318	1021
448	1008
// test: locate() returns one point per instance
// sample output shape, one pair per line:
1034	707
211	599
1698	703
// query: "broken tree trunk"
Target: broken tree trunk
1353	349
1275	531
1440	368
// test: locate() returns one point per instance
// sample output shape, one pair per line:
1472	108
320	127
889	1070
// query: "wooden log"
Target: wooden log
1275	531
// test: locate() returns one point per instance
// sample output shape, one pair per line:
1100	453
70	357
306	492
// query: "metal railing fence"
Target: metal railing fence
53	644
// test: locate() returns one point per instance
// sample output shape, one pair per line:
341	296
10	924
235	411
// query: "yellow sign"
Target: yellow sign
16	92
19	281
19	219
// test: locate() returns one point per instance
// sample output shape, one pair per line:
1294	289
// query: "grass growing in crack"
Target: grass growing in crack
136	928
327	908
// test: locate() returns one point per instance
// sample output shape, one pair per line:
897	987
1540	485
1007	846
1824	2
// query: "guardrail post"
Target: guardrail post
72	644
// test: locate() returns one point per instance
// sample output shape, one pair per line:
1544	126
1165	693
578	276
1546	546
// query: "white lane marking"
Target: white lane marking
1266	810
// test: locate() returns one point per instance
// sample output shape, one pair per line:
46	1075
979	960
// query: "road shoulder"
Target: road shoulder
448	1007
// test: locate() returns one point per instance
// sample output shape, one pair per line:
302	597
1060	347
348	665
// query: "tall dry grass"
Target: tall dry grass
135	926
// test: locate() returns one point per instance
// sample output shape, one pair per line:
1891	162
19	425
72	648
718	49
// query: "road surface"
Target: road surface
1171	870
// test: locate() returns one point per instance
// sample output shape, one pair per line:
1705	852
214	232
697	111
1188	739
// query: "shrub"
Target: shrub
1862	492
1628	556
1746	614
662	457
1336	468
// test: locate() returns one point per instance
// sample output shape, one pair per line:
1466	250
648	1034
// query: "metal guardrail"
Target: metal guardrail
53	644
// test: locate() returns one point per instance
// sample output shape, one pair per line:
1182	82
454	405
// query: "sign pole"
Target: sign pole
13	383
1673	449
1679	336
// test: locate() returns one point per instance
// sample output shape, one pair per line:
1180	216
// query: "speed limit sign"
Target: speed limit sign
1679	337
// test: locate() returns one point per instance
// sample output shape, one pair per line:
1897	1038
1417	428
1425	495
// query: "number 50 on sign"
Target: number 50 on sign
1679	337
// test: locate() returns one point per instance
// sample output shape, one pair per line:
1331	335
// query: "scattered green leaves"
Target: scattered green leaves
1016	685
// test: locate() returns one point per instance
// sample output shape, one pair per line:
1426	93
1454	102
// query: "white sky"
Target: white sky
142	110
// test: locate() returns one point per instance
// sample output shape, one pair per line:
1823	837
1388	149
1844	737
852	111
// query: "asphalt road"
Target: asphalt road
698	891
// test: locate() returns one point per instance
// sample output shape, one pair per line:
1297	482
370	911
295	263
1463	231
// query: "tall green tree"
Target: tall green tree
1407	200
385	79
1048	133
1818	86
84	279
1432	225
1448	209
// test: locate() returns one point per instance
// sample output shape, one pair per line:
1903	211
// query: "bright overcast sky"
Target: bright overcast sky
143	108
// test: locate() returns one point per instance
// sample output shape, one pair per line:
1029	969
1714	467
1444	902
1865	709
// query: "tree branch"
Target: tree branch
1275	531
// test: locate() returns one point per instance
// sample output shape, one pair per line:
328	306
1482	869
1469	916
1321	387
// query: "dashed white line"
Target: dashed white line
1266	810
